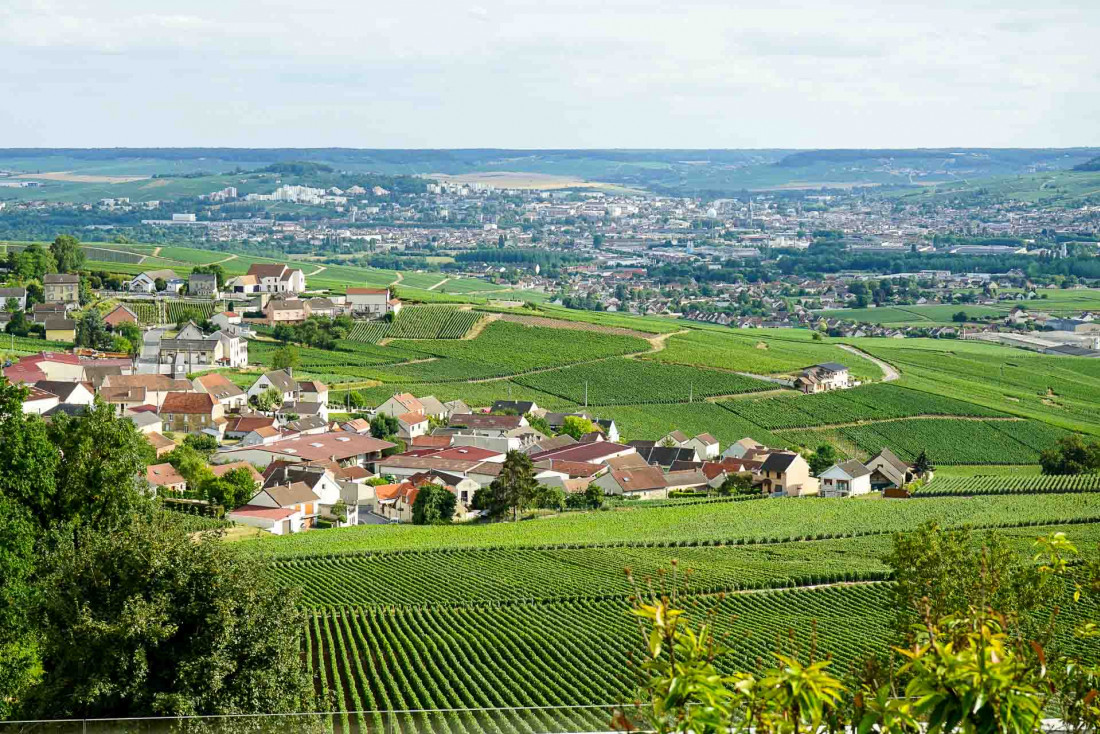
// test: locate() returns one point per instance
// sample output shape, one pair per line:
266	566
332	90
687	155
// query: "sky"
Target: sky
549	74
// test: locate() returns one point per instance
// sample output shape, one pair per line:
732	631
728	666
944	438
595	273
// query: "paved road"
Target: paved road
888	371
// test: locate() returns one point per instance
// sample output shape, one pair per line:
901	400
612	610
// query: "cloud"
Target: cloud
551	73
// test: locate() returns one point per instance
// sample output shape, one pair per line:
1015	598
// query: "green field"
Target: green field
924	315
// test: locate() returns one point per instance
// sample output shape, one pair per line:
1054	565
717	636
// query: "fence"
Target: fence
519	720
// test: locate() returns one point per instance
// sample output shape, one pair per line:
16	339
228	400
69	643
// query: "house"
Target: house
285	311
598	452
233	347
411	425
339	447
239	426
165	475
738	449
787	473
153	388
451	407
18	294
262	436
823	377
60	330
222	388
662	455
220	470
275	520
192	412
687	480
145	421
321	480
38	401
225	319
646	483
160	444
42	312
372	303
360	426
277	278
677	439
431	407
401	403
294	411
514	407
202	285
70	393
486	424
312	391
321	307
190	350
146	282
887	471
61	288
280	380
705	445
125	397
119	315
243	284
845	479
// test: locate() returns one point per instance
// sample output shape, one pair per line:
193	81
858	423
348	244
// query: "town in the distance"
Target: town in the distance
381	430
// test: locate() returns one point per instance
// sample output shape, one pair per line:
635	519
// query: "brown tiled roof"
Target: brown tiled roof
192	403
639	480
266	270
368	291
149	382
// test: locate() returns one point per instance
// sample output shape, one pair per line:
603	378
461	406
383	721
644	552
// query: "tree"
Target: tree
577	426
384	426
1071	455
91	331
18	324
434	504
923	465
159	284
214	269
269	400
822	458
191	465
18	649
512	488
34	263
231	490
539	424
959	317
285	358
11	305
204	443
593	496
167	626
737	483
67	253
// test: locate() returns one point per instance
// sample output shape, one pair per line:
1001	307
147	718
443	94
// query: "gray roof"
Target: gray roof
833	366
282	380
60	278
778	461
854	469
891	458
293	494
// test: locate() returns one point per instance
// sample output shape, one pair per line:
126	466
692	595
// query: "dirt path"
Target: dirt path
748	395
156	251
888	371
658	342
223	260
433	287
480	326
320	269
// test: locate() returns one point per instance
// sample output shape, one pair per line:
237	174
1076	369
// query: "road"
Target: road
888	371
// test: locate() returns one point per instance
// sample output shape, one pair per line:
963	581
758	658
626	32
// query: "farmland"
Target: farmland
1013	484
418	322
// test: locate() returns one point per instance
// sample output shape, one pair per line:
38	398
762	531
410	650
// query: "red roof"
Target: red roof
572	468
368	291
194	403
23	373
590	452
468	453
430	442
143	408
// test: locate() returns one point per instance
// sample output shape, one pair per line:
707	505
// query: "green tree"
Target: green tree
191	465
11	305
231	490
576	426
737	483
269	400
593	496
513	488
433	504
383	426
19	325
823	457
923	465
204	443
285	358
91	331
1071	455
18	647
152	622
67	253
34	263
959	317
159	284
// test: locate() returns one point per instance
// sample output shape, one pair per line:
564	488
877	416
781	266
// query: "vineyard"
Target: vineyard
100	254
197	310
418	322
947	441
633	381
871	402
954	486
720	523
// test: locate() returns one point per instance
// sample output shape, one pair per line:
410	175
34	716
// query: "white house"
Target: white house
738	449
411	425
272	278
281	380
846	479
371	303
705	445
146	282
823	377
